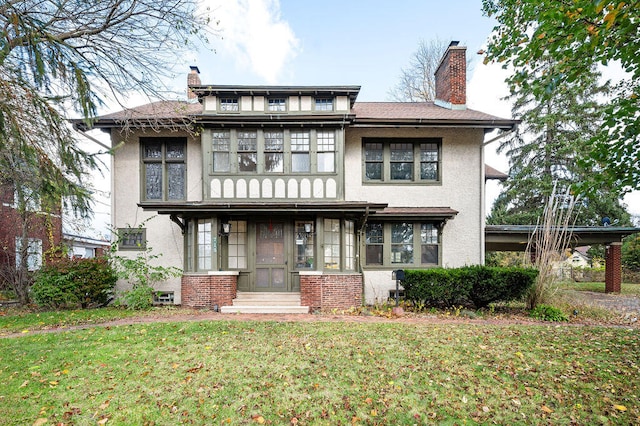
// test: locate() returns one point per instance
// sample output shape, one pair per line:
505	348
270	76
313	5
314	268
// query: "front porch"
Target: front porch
218	290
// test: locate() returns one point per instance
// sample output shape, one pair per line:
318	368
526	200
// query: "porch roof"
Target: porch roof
195	208
442	213
516	237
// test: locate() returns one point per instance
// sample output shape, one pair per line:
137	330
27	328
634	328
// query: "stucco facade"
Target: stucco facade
300	190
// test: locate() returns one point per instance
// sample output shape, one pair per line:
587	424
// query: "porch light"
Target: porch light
307	228
225	229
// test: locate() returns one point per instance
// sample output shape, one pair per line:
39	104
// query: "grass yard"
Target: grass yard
235	372
598	287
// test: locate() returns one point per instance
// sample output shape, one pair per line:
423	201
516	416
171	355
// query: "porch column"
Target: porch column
613	268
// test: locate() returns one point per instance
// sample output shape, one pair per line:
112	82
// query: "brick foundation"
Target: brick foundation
330	291
613	268
206	291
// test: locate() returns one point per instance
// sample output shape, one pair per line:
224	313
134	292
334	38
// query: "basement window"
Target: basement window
163	297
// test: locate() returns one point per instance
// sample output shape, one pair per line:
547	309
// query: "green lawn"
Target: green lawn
234	372
630	289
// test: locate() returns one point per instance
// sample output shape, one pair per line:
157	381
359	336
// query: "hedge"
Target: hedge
71	283
470	285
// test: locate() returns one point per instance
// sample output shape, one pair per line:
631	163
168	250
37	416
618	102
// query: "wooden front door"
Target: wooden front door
271	264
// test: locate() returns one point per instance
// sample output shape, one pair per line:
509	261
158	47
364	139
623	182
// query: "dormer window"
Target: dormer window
229	104
324	104
277	104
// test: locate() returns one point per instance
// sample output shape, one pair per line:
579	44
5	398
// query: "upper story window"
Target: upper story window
229	104
247	151
401	160
164	168
274	151
221	145
324	104
277	104
269	151
32	252
300	151
326	142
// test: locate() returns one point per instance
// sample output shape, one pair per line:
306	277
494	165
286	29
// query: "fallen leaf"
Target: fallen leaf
105	405
40	421
25	383
103	421
620	407
546	409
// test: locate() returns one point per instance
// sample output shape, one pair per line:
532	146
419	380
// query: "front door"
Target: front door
271	264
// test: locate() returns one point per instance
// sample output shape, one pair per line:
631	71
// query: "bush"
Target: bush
140	297
477	285
493	284
548	313
435	287
72	283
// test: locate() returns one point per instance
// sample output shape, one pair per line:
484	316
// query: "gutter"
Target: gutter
501	135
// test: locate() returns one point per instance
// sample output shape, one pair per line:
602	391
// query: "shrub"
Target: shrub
477	285
548	313
435	287
494	284
140	297
70	283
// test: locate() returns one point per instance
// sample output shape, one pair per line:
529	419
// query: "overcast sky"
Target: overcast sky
346	42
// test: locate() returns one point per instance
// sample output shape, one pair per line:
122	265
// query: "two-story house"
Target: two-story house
301	191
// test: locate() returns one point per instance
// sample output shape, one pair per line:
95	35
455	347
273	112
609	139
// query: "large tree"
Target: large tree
66	57
545	150
577	35
417	80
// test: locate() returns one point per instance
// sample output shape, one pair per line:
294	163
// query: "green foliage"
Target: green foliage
69	283
140	297
480	285
498	284
548	313
436	287
142	271
577	36
631	253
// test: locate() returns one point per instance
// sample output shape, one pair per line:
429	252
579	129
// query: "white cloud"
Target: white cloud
255	35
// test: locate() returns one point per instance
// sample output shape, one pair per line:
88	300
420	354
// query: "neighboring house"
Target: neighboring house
42	229
84	247
301	189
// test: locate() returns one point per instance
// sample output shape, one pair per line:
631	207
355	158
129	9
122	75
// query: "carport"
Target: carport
516	238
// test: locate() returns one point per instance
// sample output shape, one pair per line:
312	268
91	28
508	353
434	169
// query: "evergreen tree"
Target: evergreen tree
548	146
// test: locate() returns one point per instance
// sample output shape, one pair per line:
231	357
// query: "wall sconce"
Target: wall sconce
307	228
225	229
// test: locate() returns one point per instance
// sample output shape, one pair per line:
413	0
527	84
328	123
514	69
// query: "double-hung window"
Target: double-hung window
247	151
400	160
165	168
326	143
300	160
274	151
221	144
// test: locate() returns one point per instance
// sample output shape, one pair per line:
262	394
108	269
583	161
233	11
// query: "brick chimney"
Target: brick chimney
193	79
451	78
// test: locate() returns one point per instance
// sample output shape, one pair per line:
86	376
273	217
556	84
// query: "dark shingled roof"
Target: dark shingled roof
366	113
424	112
